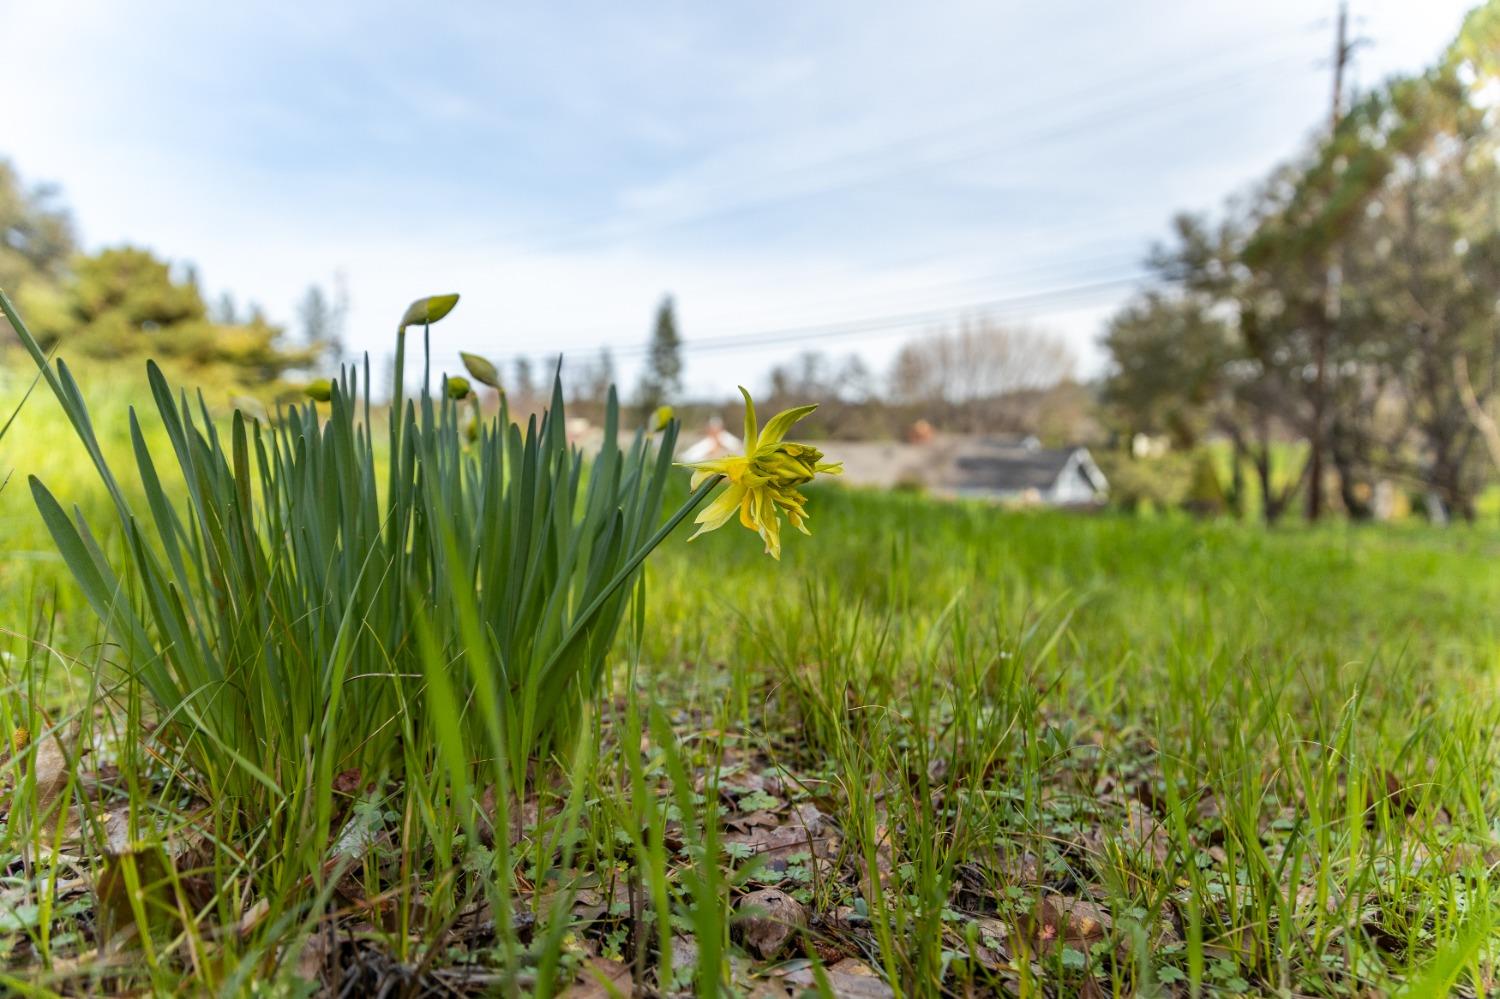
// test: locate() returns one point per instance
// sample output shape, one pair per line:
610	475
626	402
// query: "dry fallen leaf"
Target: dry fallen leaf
849	979
1073	922
51	768
135	885
1144	832
521	819
993	949
767	920
684	959
600	978
803	830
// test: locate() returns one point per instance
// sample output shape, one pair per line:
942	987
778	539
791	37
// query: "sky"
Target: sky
840	176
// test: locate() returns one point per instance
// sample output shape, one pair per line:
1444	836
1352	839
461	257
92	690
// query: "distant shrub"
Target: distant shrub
1158	483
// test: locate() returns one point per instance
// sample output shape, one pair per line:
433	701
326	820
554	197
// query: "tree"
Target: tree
662	379
36	245
1347	304
1427	267
1169	356
322	316
1403	198
225	311
1217	347
523	388
595	379
957	377
842	389
126	302
36	234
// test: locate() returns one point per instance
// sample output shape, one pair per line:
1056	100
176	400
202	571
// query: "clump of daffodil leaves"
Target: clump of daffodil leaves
763	481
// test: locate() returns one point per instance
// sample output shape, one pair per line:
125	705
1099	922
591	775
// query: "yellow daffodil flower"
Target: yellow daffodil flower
763	481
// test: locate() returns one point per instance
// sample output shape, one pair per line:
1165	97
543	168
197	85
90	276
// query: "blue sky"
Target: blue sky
837	175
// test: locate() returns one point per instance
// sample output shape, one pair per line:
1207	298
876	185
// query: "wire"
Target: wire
883	324
608	230
1052	300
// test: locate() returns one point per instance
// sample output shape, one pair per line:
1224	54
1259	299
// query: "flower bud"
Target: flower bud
483	371
426	311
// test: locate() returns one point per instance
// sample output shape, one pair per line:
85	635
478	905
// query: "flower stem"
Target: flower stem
629	568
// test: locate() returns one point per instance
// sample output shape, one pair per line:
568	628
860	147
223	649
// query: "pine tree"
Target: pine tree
322	317
523	386
662	379
599	377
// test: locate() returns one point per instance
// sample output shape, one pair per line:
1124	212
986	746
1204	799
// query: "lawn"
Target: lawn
938	748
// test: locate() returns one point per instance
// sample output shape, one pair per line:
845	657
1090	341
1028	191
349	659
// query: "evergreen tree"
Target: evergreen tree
523	389
662	379
599	377
226	313
36	235
322	316
125	302
36	244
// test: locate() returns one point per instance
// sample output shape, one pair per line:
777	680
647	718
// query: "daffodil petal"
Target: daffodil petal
720	465
717	513
779	424
770	528
747	512
752	436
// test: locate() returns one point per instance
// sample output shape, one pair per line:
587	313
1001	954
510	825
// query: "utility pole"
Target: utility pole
1332	284
1342	48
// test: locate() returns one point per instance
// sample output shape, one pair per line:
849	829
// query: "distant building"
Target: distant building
716	442
1011	469
1052	476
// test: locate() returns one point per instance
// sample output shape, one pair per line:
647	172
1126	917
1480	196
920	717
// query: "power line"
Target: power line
894	322
1108	110
1106	113
1086	272
601	231
1053	297
1054	300
997	283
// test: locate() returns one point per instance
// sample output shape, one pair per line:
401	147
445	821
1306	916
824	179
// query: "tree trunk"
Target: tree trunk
1356	500
1237	480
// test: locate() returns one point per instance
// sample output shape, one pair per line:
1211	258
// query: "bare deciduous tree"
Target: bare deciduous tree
958	375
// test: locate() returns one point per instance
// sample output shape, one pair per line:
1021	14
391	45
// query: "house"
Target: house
1052	476
716	442
1009	469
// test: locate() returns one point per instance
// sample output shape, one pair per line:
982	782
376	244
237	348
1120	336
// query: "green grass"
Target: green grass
1245	761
